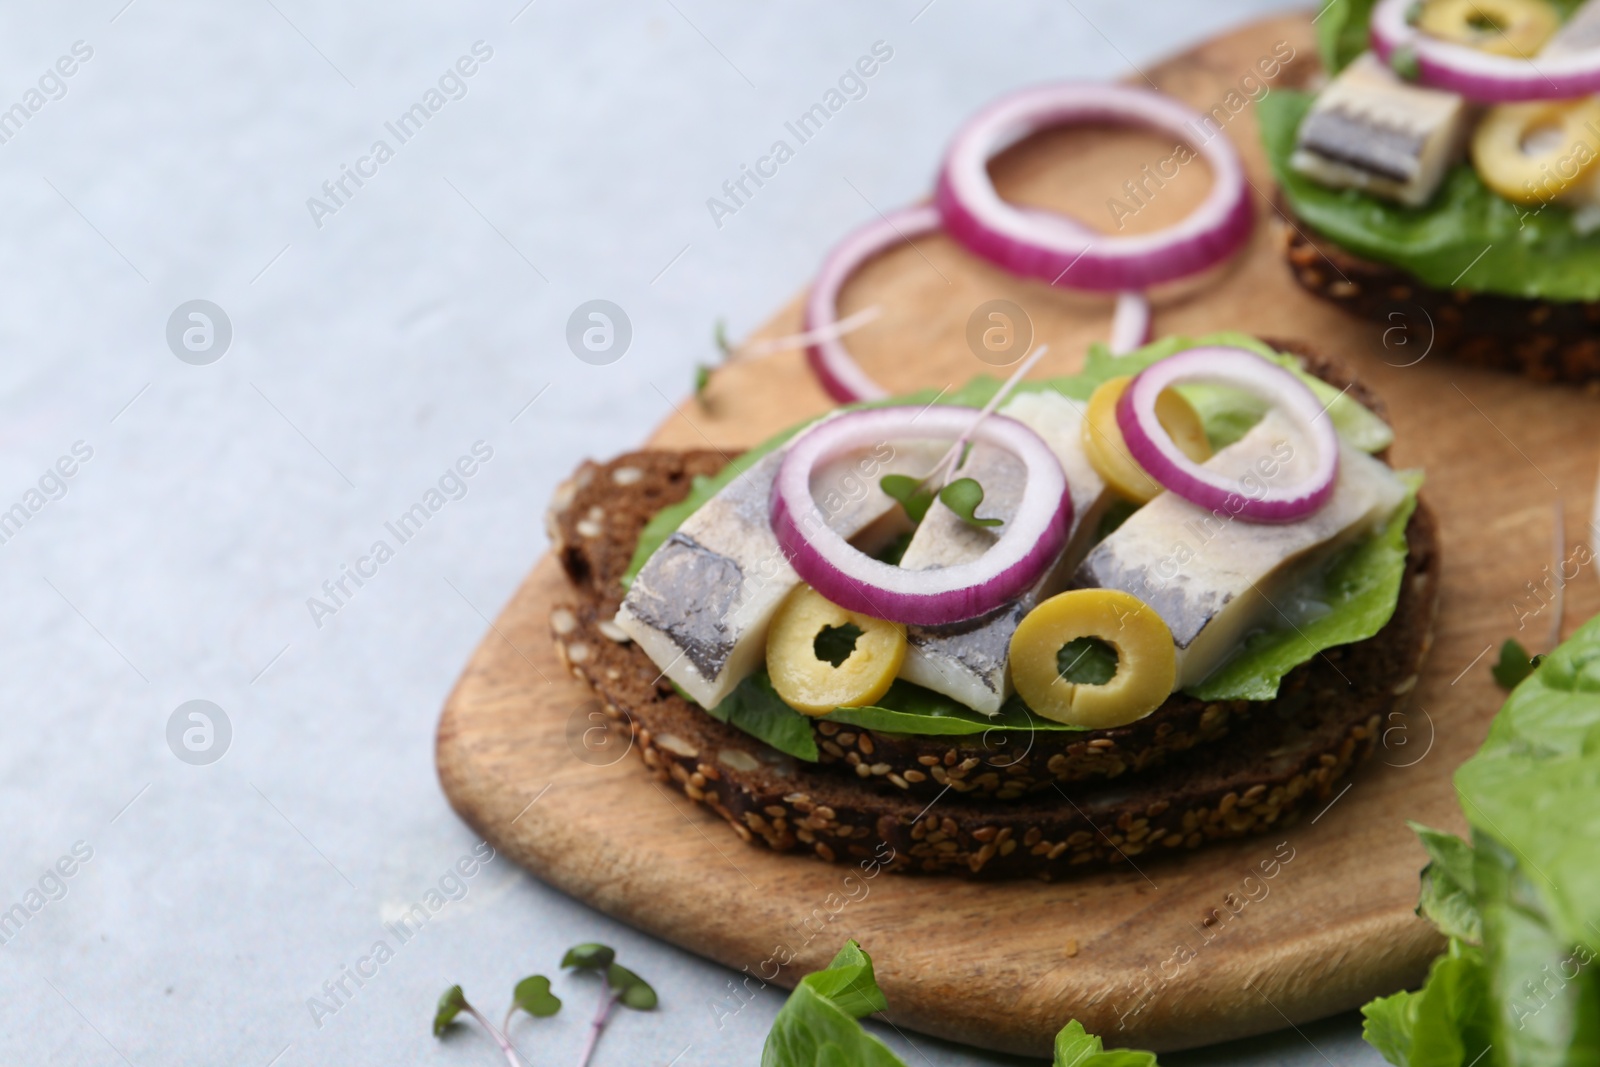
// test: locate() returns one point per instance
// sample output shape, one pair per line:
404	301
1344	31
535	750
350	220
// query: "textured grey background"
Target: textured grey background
367	355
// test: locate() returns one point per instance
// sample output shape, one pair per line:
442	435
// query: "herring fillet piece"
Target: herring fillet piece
700	606
1212	577
1579	33
967	661
1370	130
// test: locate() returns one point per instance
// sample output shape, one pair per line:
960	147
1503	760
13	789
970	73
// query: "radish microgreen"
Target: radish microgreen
532	996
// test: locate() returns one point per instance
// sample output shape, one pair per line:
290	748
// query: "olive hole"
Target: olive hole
836	643
1087	661
1542	139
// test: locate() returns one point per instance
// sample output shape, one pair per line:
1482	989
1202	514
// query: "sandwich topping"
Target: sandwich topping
822	657
1463	147
1050	596
1103	443
1143	659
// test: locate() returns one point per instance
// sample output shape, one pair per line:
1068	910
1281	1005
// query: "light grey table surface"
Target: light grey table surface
373	345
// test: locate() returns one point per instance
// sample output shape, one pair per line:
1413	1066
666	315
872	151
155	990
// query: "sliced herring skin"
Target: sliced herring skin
700	606
1370	130
1212	577
1387	152
700	627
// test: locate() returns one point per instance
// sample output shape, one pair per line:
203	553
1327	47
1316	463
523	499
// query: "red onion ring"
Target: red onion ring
1130	323
1061	250
1477	75
1028	544
840	375
1235	368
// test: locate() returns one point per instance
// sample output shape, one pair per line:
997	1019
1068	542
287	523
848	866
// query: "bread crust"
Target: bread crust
1547	341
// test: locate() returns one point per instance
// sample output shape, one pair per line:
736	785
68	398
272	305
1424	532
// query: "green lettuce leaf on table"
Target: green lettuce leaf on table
819	1025
1443	1024
1449	888
1466	237
1527	889
1534	787
1075	1048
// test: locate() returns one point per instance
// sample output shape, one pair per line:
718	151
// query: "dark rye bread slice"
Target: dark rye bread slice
595	521
1548	341
1293	752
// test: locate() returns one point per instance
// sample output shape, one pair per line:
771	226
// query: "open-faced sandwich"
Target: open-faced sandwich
1446	180
1016	628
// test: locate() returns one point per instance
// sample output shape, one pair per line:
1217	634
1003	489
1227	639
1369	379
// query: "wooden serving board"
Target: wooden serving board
1128	953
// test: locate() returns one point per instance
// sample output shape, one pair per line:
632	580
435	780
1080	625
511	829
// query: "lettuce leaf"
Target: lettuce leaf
1534	787
1360	588
1449	890
1525	887
1075	1048
818	1026
1342	31
911	709
1465	237
757	709
1443	1024
1546	1000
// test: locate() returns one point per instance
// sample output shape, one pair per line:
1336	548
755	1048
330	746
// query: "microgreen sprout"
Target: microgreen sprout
963	495
914	494
453	1003
703	371
1403	61
532	996
618	986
